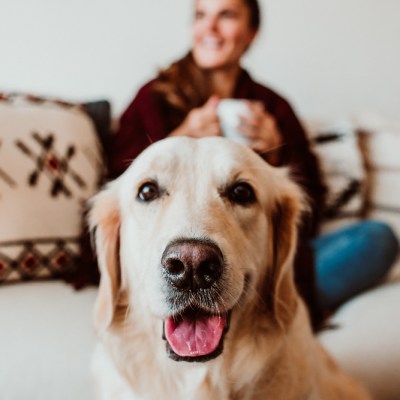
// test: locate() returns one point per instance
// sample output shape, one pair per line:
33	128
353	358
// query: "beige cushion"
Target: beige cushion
343	171
382	143
50	163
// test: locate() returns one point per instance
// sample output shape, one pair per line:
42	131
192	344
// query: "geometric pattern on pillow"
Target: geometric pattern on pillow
50	164
343	169
38	258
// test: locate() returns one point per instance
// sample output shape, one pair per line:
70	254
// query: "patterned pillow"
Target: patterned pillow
381	140
343	169
50	163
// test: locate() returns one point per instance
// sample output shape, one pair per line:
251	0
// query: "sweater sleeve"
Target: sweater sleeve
140	125
303	164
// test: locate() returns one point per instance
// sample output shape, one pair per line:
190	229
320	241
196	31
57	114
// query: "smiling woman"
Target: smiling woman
184	100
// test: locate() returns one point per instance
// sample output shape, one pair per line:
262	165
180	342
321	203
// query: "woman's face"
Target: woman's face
221	33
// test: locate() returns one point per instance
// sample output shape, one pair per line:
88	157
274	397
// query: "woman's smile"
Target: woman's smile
221	33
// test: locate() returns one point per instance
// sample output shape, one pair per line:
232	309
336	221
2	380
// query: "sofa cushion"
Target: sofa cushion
50	163
336	146
381	138
366	340
46	341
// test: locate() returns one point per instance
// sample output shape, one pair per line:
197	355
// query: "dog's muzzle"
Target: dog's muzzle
195	330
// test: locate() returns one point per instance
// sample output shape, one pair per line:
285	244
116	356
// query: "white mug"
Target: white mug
229	112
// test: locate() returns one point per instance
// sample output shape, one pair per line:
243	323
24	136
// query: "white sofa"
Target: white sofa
46	341
46	338
367	339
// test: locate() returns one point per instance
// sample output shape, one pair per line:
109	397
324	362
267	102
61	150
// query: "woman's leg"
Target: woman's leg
352	260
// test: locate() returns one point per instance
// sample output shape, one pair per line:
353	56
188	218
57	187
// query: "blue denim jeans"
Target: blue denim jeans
352	260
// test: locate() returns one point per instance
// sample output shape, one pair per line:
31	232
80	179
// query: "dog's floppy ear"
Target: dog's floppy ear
104	221
281	292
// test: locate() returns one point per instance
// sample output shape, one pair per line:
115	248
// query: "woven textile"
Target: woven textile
50	163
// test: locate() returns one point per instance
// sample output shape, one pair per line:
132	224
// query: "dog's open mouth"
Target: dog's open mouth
195	335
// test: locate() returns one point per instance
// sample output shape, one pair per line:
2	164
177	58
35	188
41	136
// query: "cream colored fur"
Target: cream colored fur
269	350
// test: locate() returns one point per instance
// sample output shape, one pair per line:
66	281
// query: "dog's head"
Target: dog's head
194	231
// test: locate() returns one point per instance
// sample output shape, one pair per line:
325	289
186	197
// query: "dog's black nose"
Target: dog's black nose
192	264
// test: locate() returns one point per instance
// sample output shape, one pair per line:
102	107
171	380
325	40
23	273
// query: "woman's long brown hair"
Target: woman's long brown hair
184	85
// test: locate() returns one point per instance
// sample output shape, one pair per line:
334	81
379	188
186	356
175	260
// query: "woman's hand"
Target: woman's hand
201	122
260	128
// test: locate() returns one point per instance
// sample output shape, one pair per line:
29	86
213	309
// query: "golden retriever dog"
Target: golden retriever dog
195	243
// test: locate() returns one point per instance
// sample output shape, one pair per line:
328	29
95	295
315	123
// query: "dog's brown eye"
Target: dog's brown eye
241	193
149	191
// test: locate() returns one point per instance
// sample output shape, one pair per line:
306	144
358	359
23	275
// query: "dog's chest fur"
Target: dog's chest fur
241	373
151	379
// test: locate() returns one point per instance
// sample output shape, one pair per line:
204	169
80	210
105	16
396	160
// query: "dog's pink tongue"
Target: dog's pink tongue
194	337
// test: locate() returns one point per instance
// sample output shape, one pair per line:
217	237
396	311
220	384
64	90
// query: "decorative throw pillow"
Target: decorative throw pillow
50	164
343	168
381	139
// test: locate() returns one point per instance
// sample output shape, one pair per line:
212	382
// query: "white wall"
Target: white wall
330	58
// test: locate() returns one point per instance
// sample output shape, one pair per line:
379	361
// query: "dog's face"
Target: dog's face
194	231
